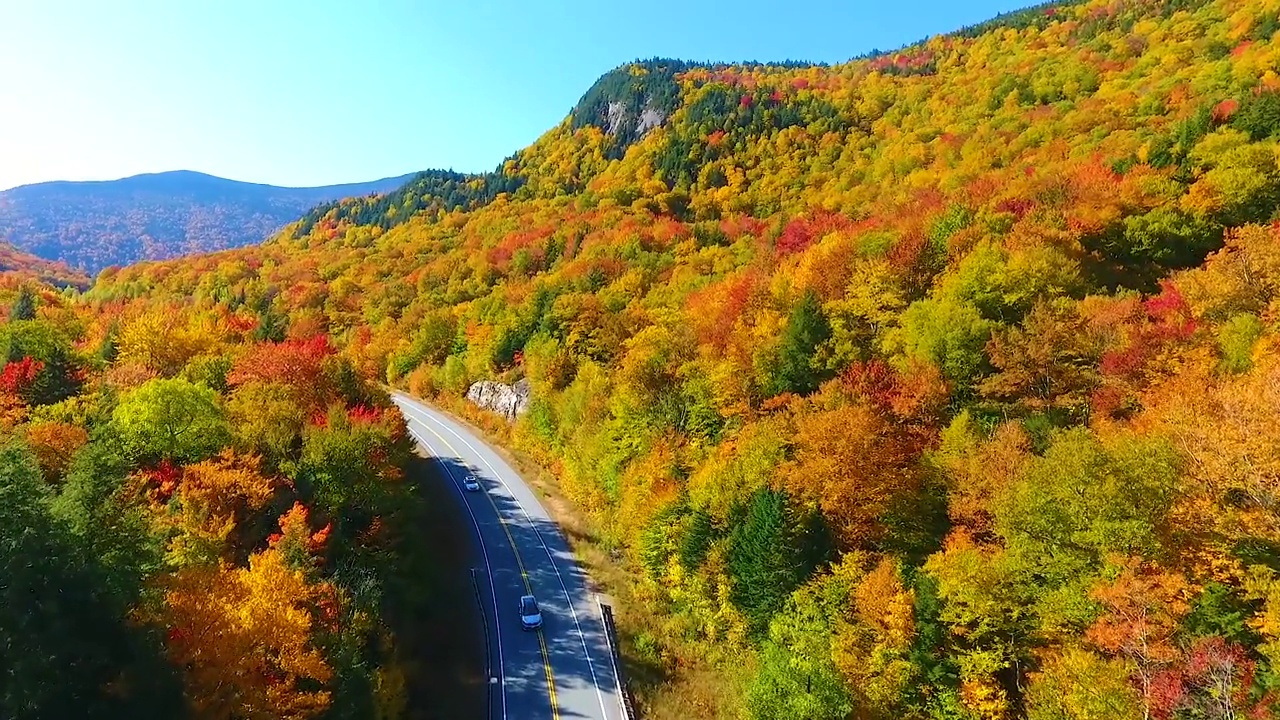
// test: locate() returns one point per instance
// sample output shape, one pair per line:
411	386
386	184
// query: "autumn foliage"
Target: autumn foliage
243	637
148	486
941	383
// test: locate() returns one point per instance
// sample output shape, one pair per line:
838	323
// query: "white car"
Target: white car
471	483
530	615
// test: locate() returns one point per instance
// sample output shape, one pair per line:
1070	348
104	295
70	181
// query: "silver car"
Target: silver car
530	615
471	483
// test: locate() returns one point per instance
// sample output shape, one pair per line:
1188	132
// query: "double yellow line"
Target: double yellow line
524	575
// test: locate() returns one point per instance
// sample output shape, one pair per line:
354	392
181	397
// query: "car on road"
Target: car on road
530	615
471	483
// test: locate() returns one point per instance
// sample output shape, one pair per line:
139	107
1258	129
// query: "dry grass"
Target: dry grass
690	688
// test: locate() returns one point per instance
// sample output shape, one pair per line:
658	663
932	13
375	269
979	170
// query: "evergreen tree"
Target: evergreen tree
109	348
66	648
770	555
806	329
24	308
697	539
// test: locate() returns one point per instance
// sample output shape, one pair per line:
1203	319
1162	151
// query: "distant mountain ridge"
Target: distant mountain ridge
95	224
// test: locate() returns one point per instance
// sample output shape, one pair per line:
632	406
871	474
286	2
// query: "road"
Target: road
566	670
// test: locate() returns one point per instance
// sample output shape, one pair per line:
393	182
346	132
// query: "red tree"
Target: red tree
18	378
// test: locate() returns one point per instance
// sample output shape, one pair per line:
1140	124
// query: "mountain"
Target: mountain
91	225
942	383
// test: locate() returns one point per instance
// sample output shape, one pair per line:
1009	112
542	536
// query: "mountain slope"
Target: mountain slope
146	217
937	384
25	266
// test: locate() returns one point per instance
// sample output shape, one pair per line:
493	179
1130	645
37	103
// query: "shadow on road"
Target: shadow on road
437	622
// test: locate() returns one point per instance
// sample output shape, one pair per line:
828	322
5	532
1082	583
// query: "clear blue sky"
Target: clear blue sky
313	92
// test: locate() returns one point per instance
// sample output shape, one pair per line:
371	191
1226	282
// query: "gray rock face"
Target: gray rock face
617	117
506	400
649	119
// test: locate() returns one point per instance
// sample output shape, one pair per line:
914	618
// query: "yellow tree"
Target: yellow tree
978	471
1228	431
852	465
872	652
54	443
161	341
243	639
212	498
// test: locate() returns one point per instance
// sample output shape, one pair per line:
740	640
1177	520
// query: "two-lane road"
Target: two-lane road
566	670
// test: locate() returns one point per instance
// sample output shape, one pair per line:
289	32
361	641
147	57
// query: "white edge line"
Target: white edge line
554	565
502	673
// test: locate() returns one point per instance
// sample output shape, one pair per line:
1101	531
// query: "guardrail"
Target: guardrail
489	679
611	635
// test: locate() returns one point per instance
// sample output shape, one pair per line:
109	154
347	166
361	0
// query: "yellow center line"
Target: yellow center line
524	575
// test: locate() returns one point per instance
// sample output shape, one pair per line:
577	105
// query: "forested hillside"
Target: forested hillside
91	225
199	518
15	263
939	384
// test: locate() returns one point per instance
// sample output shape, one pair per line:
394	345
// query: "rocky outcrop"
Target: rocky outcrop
507	400
615	117
650	118
618	119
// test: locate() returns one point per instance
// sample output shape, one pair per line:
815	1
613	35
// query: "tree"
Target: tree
1165	237
24	306
871	304
1242	277
1227	431
348	468
853	466
872	648
1049	362
946	332
208	370
243	638
1083	500
771	552
794	369
979	470
299	364
66	648
39	341
1079	685
98	506
171	419
54	444
298	545
1243	186
990	623
1236	339
162	341
23	379
267	419
212	499
648	381
431	343
797	679
1142	610
1217	681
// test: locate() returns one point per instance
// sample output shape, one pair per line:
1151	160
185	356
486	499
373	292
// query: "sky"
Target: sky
318	92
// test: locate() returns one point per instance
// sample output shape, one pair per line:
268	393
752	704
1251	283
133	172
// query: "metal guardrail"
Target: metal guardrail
488	661
611	635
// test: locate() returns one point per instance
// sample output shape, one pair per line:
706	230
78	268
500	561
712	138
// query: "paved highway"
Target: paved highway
566	670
